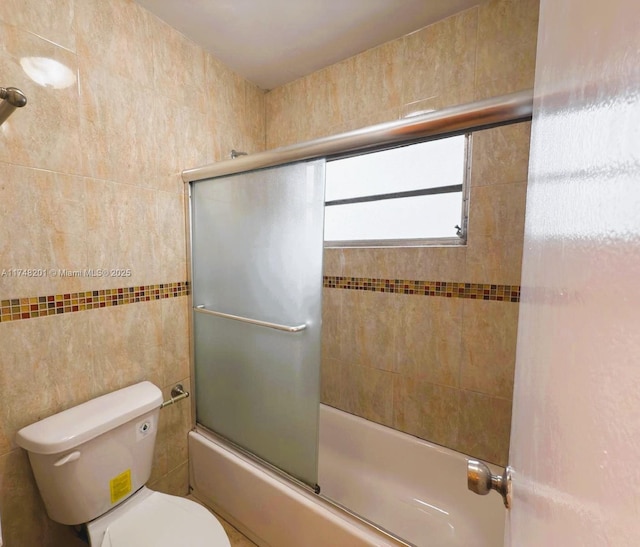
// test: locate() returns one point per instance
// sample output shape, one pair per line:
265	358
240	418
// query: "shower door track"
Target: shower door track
455	120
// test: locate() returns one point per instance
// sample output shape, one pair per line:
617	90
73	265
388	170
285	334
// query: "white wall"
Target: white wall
576	428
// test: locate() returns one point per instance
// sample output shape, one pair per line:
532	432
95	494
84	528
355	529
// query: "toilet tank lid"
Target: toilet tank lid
77	425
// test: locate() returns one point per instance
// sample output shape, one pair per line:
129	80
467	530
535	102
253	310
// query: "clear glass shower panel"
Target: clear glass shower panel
257	241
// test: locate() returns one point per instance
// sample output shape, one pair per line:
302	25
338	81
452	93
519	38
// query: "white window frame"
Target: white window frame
460	239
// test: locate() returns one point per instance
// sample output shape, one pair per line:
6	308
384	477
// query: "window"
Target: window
410	195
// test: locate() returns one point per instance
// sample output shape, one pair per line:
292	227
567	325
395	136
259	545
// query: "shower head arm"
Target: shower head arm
13	98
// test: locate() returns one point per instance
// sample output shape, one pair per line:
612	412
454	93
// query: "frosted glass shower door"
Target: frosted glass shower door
257	241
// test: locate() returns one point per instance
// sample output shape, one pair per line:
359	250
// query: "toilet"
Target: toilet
91	463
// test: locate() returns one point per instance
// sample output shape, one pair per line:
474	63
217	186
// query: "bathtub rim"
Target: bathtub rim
298	487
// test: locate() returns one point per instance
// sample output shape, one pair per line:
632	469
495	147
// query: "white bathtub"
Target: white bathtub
412	488
415	489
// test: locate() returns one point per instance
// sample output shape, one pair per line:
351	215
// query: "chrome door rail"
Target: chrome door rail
454	120
285	328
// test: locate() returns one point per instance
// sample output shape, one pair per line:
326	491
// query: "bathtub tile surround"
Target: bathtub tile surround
488	348
439	368
473	291
90	179
426	410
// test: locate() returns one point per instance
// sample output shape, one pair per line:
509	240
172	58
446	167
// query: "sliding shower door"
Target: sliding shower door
257	241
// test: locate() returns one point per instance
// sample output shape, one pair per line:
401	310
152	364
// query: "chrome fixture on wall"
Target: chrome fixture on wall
481	481
12	98
235	154
177	394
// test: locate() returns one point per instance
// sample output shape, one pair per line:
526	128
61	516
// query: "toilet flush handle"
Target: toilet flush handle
73	456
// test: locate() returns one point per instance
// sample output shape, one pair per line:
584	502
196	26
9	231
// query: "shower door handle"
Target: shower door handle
285	328
481	481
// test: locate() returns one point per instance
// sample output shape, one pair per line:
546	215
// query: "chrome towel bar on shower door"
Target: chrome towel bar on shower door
285	328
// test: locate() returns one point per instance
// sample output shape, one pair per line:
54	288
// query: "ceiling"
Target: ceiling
272	42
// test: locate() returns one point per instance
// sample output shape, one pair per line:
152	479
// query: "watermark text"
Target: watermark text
64	272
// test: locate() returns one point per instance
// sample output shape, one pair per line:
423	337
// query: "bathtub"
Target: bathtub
410	488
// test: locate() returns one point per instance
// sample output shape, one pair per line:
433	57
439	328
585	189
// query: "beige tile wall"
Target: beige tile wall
438	368
89	178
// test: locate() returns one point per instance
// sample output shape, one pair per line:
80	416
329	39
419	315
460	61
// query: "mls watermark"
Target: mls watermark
64	272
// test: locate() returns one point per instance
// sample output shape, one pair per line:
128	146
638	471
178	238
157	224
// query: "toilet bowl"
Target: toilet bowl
91	463
157	520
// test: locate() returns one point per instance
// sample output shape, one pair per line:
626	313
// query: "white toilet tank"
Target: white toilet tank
89	458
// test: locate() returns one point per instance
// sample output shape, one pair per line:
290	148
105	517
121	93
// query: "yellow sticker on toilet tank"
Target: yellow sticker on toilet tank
120	486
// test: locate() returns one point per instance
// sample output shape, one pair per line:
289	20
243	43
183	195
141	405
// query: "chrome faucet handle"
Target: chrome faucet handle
481	481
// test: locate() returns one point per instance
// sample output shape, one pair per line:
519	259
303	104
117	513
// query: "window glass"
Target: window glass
414	192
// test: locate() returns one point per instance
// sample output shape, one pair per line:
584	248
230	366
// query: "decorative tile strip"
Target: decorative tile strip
447	289
15	309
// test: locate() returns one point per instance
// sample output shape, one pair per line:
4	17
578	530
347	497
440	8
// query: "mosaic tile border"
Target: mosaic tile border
16	309
447	289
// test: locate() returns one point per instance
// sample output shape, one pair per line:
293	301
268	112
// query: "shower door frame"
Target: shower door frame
504	110
296	372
